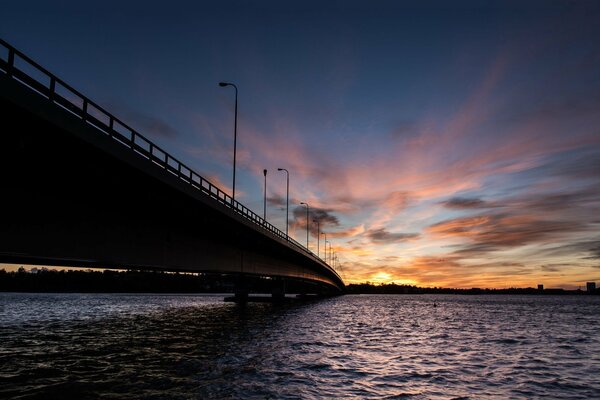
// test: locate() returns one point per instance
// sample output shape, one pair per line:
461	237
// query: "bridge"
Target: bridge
82	188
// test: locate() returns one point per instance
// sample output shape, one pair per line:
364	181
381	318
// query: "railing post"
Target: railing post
52	88
85	107
11	61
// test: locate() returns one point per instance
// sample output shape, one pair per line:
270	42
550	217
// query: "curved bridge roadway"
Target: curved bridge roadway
81	188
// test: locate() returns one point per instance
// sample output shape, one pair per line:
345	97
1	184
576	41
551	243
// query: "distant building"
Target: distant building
540	287
591	287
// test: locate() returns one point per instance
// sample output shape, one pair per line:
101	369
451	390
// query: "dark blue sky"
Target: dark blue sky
441	143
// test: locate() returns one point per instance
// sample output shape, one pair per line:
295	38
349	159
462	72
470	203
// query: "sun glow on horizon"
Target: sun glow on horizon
383	277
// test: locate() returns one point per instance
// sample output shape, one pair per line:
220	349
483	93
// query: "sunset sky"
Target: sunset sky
439	143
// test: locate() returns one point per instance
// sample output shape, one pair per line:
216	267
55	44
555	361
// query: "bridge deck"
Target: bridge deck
84	188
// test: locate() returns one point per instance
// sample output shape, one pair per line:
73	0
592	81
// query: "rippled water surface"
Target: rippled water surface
90	346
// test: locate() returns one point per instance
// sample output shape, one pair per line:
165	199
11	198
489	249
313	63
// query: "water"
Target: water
88	346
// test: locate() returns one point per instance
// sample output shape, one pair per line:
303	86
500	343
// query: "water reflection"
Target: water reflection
353	346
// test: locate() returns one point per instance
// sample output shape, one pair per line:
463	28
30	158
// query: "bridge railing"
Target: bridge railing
23	69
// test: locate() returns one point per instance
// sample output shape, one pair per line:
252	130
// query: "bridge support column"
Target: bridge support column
241	290
278	290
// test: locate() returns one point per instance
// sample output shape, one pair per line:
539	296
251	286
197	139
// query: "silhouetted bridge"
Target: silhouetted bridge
82	188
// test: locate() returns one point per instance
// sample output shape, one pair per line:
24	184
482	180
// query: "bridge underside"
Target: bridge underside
73	196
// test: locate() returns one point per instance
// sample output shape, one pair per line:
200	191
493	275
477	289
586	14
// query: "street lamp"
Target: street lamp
307	211
318	234
326	241
325	233
265	197
287	202
223	84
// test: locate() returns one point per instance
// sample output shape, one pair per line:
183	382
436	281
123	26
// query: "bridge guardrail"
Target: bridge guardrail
62	94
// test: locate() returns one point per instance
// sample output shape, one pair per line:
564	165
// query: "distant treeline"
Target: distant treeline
94	281
135	281
392	288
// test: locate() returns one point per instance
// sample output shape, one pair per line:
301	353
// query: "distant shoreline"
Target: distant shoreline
365	288
109	281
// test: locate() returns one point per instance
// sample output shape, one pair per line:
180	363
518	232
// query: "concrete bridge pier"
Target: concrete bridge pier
241	290
278	289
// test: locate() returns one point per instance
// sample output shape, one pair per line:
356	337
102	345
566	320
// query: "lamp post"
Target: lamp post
325	245
223	84
326	241
318	234
287	201
307	211
265	197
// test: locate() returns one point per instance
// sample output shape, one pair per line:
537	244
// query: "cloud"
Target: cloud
276	200
350	232
532	217
324	217
495	232
382	236
554	267
557	201
388	259
459	226
594	251
579	165
395	200
326	220
573	249
464	203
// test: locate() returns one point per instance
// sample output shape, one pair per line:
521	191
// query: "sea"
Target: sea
148	346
